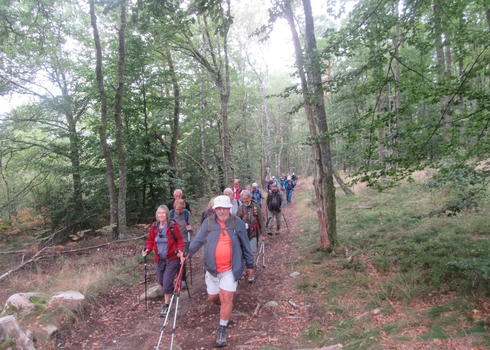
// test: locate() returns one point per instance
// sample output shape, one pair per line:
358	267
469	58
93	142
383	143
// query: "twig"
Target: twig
293	304
34	258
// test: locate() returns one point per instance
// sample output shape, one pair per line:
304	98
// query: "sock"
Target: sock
223	323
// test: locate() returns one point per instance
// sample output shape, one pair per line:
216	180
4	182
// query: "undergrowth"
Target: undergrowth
399	276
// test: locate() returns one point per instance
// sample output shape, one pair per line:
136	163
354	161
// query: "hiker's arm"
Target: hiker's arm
245	244
150	242
199	240
190	223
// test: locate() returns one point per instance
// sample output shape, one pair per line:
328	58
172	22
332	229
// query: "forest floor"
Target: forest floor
121	322
337	298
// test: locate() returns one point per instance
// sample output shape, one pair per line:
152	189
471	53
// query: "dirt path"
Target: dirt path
121	323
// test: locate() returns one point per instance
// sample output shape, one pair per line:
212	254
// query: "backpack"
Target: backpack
275	203
186	215
171	223
257	195
289	185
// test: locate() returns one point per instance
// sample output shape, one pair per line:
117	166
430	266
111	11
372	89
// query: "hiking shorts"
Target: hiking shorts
225	281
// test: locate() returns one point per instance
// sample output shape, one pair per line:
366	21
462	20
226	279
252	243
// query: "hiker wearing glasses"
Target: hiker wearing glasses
226	247
164	239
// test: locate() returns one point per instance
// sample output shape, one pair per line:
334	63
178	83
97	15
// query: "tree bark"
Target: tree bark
322	227
172	151
320	118
121	151
103	117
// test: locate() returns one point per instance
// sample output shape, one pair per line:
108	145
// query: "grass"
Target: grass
398	261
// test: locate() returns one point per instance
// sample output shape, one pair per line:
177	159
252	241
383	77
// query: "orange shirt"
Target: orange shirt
222	255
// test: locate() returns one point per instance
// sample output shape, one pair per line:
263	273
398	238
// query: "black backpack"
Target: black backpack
275	203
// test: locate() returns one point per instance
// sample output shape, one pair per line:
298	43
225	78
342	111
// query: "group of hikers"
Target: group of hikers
231	227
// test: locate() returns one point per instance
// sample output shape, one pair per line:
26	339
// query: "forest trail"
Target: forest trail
120	322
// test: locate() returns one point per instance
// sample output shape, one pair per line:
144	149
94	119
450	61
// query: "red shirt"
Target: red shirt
236	192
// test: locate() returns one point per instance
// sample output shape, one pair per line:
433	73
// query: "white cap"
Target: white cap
222	202
254	184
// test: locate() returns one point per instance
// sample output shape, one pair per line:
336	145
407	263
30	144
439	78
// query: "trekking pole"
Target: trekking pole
287	226
146	279
261	251
189	233
175	293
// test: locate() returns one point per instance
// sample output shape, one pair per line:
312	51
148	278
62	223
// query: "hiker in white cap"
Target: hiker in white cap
226	247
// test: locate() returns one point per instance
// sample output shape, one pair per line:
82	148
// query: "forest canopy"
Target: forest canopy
127	101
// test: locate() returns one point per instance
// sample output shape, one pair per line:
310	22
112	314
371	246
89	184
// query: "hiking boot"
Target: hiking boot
270	233
277	233
164	311
221	336
183	285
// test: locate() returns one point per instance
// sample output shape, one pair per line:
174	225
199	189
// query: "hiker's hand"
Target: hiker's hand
144	252
250	273
262	238
189	228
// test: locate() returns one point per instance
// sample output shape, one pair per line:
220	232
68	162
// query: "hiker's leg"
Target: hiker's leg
226	299
212	287
227	288
278	220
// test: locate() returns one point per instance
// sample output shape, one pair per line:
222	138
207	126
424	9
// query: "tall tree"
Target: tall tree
120	212
312	89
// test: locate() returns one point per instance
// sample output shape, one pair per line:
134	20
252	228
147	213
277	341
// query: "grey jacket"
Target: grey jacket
240	246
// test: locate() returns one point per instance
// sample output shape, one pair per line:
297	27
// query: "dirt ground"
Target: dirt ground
121	322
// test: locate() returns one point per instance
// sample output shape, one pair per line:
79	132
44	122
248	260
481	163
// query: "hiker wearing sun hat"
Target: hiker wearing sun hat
226	247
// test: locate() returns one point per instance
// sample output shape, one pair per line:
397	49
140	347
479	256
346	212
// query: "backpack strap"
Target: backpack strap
170	225
212	218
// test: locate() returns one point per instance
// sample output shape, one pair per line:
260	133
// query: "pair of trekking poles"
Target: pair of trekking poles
175	294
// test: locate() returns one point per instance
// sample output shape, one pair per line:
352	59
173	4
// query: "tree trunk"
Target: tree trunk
172	151
397	93
103	116
322	227
442	74
320	118
218	67
121	151
207	184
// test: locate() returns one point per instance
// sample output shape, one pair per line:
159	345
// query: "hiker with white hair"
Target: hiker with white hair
226	248
257	194
234	202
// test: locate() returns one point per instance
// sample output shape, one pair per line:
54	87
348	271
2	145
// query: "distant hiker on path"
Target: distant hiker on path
236	189
209	211
234	202
257	194
183	218
177	195
274	205
164	239
226	247
251	214
289	187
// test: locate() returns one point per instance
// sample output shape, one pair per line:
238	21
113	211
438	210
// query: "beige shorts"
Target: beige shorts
225	281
